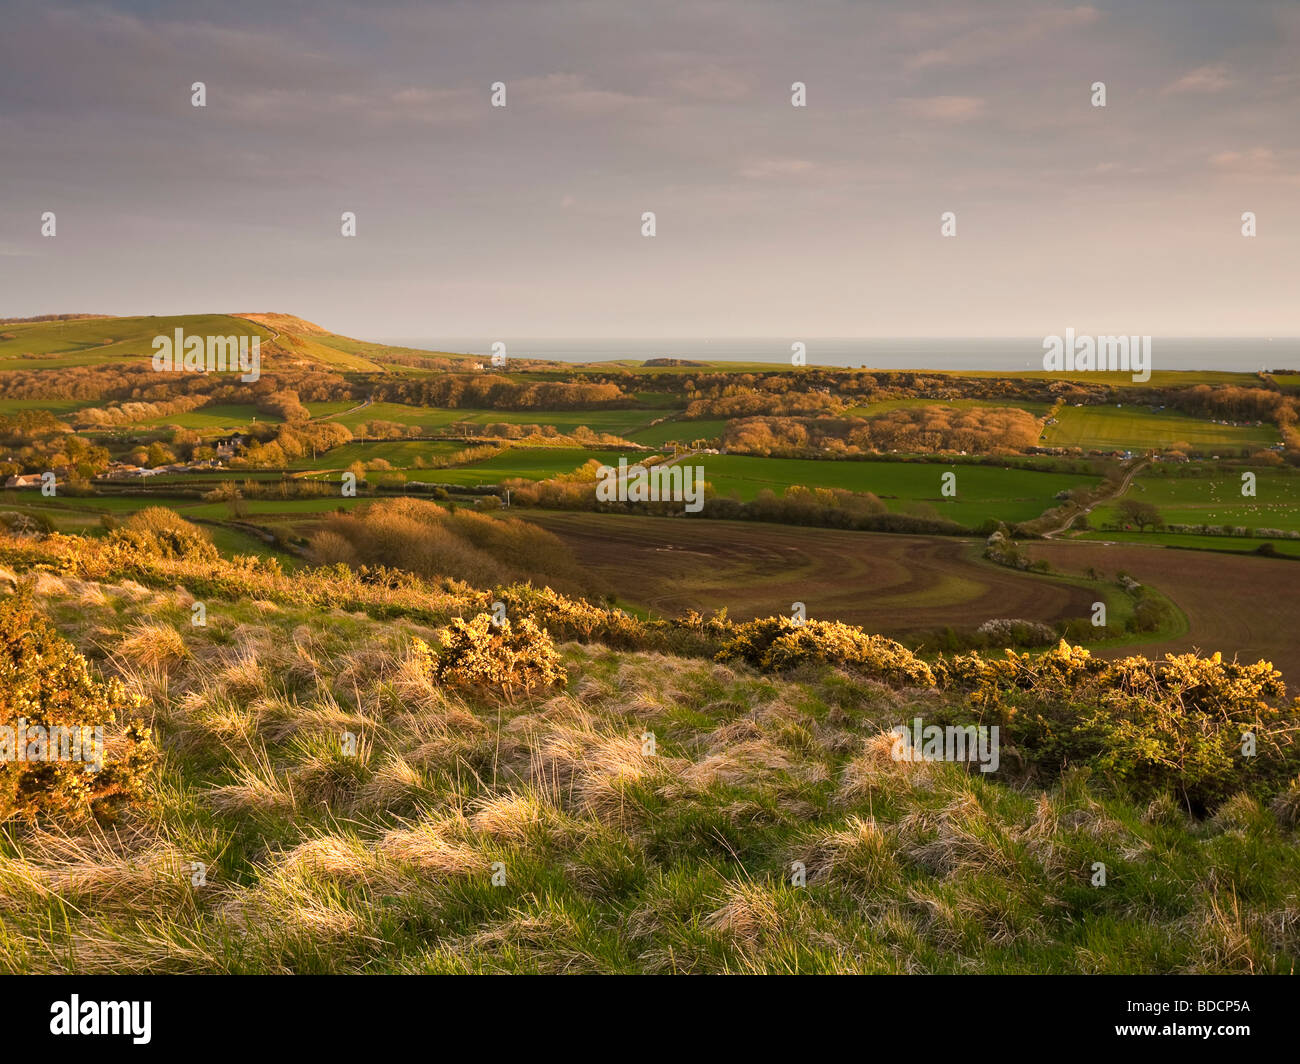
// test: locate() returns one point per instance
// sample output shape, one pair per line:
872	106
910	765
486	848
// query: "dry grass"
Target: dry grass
617	859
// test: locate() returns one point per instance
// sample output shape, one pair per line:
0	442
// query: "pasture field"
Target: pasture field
57	407
231	541
983	492
220	511
526	463
401	454
1235	544
682	431
617	422
436	419
1161	378
81	515
1139	428
217	417
105	340
380	354
331	410
424	417
1215	499
885	405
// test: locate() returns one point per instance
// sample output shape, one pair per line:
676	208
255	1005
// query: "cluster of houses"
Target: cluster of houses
225	447
123	471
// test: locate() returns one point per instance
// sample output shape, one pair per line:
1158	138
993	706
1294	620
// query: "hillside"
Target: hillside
329	797
287	342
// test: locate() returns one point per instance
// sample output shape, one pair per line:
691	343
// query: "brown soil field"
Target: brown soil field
890	584
1239	605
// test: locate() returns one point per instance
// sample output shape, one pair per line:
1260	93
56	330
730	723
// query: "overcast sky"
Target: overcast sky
772	220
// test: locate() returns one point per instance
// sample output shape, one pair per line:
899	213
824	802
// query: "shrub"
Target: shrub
477	653
1172	725
45	683
1015	631
775	644
1148	614
160	533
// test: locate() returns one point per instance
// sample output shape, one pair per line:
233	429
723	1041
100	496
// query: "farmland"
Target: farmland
679	430
884	405
1214	497
984	493
100	341
1237	605
1140	428
248	706
538	463
891	584
898	585
351	384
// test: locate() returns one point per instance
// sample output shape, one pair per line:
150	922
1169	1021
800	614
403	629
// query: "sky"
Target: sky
771	220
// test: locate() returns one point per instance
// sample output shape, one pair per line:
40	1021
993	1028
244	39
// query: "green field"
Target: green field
82	514
1139	428
270	507
57	407
331	410
105	340
436	419
682	431
527	463
983	492
1159	378
222	417
616	422
400	454
1216	499
530	463
1237	544
885	405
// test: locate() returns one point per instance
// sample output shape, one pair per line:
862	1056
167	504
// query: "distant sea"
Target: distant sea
1245	355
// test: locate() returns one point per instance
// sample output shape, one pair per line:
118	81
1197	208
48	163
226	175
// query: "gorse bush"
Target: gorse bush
780	643
1199	727
1173	725
45	684
478	653
161	533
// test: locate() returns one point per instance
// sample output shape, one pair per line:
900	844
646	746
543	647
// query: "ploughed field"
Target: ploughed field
886	583
1246	606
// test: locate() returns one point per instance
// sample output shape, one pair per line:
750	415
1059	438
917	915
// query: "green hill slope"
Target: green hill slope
286	342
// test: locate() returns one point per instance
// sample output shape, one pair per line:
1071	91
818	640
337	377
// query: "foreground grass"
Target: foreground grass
615	859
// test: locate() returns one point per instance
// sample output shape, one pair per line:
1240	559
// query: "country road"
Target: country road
1136	468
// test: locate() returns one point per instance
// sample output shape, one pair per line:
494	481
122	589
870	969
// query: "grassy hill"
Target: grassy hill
286	341
541	831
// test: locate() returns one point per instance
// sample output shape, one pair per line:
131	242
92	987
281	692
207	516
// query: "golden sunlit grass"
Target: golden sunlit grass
350	813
